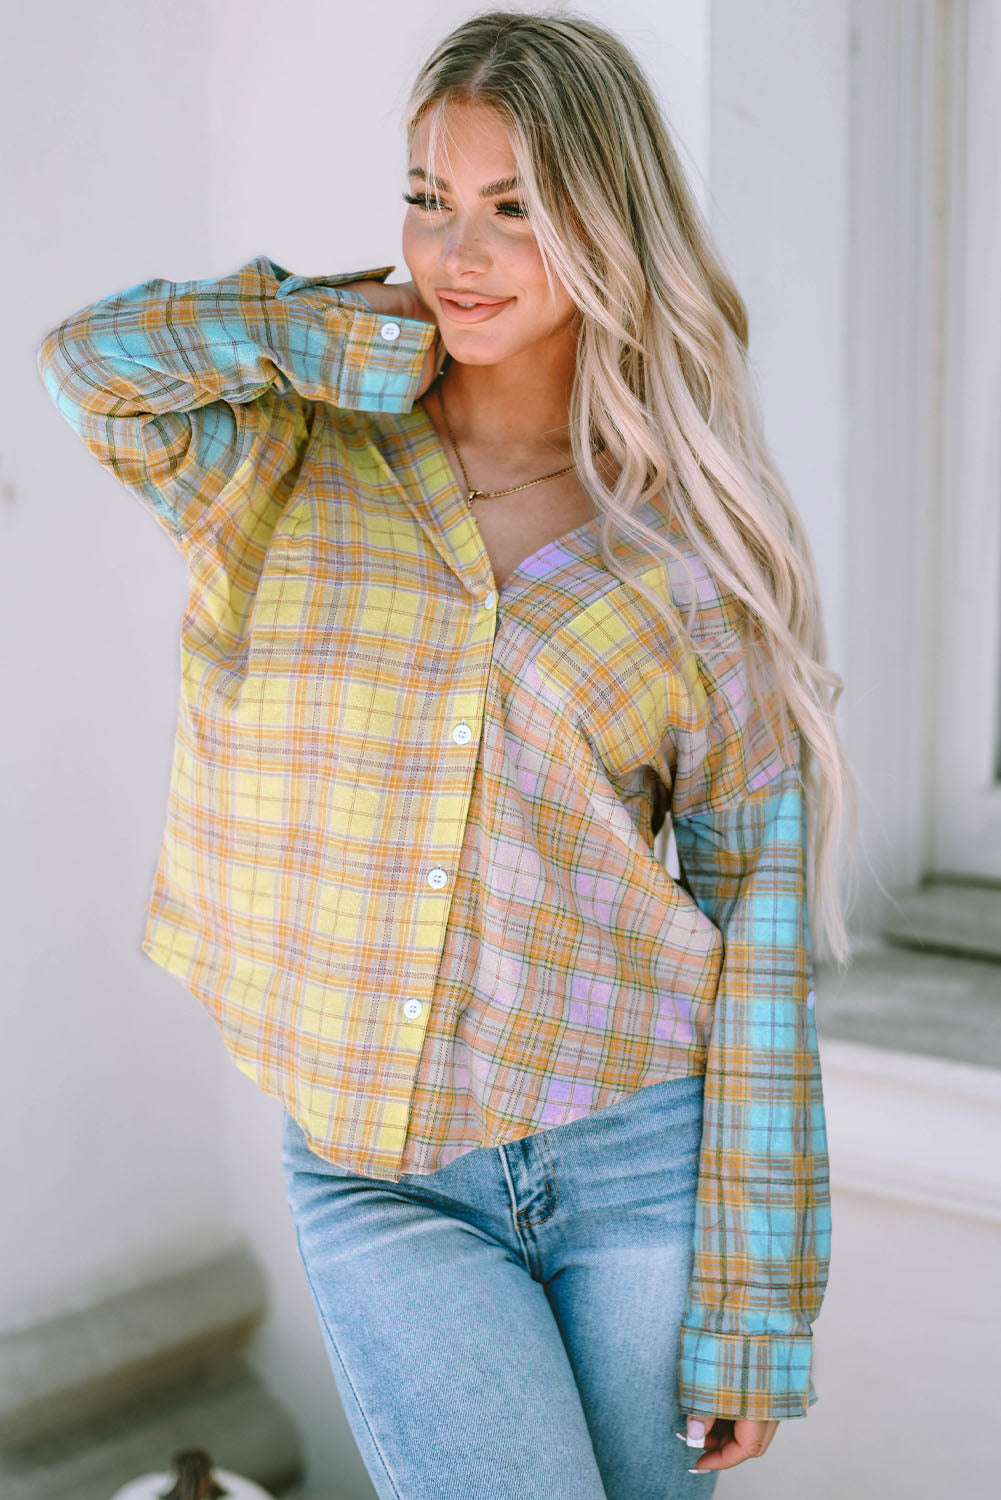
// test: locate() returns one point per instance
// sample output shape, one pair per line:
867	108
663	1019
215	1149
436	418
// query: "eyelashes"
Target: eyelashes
428	204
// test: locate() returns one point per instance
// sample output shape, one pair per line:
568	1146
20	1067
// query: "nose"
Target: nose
463	250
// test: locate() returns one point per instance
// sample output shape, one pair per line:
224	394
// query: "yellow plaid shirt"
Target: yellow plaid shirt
408	863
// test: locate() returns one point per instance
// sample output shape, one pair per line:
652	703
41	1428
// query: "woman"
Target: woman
490	571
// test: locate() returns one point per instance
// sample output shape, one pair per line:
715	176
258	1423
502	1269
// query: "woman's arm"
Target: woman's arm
762	1233
763	1216
176	386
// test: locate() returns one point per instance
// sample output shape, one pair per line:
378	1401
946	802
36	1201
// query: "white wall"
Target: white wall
111	1087
779	85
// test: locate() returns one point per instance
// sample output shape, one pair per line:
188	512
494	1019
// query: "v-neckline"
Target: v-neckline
456	493
533	557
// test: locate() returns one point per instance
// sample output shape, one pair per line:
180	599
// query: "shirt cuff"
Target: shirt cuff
382	362
380	358
762	1376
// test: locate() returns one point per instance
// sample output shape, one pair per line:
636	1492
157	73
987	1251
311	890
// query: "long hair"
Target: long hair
662	379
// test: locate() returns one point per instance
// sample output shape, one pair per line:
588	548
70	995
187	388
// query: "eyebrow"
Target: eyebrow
490	190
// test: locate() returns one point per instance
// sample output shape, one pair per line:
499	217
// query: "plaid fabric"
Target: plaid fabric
408	864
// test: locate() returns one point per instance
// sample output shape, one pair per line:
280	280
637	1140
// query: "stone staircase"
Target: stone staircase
100	1395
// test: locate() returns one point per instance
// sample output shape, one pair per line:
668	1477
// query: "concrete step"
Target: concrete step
61	1372
98	1396
949	915
231	1415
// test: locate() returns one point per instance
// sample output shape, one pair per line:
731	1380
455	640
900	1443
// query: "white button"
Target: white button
462	733
412	1008
488	602
437	877
810	999
390	330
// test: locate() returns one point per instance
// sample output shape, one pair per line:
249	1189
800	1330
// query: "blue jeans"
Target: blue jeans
506	1327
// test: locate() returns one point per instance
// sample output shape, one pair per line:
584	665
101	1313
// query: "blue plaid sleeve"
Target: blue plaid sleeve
762	1231
183	388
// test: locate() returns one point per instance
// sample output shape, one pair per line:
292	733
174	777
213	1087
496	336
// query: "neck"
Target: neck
522	403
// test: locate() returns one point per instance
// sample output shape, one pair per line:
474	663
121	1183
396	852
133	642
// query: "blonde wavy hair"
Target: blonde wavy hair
662	379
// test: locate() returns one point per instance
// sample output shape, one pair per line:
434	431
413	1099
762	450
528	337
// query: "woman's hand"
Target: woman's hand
402	300
398	299
729	1440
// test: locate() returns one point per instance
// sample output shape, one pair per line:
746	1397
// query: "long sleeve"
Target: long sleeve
762	1231
178	387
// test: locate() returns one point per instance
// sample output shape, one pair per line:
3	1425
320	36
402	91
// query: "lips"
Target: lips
476	314
480	298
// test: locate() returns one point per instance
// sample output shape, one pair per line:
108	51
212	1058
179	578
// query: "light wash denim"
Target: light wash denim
506	1327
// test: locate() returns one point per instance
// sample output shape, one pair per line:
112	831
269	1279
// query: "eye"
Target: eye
423	201
509	210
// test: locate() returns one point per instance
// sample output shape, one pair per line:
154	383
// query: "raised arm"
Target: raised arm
176	386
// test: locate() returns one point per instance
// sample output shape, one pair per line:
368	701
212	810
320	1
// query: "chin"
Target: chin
471	355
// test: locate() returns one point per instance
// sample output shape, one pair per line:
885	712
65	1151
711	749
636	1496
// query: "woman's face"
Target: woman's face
469	242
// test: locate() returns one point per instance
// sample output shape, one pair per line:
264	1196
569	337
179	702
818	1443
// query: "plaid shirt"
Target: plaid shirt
408	864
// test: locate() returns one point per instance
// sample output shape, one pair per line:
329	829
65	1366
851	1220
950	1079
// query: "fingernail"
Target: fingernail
696	1433
700	1471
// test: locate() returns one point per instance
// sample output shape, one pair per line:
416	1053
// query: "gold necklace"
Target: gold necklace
489	494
